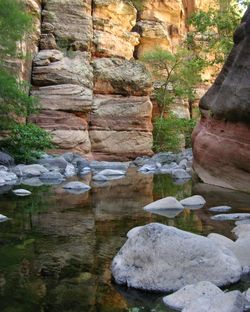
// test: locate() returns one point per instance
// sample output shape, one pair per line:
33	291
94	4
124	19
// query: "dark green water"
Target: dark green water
56	251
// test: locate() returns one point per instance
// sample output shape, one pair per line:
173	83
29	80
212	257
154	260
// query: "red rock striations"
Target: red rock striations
221	141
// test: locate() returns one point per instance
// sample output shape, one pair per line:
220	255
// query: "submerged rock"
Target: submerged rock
110	172
231	216
164	203
186	295
163	258
76	185
195	200
100	177
220	209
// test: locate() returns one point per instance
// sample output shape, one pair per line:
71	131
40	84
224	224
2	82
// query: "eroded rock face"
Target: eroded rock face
93	94
221	141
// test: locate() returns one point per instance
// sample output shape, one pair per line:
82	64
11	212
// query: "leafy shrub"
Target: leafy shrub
26	142
170	132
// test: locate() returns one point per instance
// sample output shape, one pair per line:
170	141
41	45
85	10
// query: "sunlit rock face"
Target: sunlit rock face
86	76
222	139
29	45
161	24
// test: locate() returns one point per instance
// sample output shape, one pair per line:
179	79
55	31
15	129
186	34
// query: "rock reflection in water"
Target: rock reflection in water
56	250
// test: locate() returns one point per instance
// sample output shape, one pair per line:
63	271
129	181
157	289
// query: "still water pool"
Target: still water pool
56	250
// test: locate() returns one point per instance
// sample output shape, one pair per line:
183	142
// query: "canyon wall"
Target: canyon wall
94	95
221	141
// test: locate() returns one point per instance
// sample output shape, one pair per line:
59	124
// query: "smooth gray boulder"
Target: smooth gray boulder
247	297
180	174
134	231
7	176
164	157
51	176
29	170
3	218
164	203
242	230
195	200
186	295
221	240
226	302
148	168
76	185
111	172
55	163
2	182
163	258
241	249
21	192
220	209
70	171
231	216
6	159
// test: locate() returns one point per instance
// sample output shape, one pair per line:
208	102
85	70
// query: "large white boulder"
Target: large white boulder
163	258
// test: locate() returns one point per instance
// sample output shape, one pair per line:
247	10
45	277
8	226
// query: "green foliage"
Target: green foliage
26	142
14	100
170	132
138	4
174	74
14	23
212	31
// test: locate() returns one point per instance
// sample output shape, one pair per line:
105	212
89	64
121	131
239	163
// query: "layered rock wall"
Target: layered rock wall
222	138
94	95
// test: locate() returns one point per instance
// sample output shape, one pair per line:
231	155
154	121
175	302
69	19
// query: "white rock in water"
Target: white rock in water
221	240
69	171
164	203
110	172
164	258
100	177
184	297
22	192
76	185
242	230
231	216
134	231
3	218
195	200
247	296
226	302
220	208
241	249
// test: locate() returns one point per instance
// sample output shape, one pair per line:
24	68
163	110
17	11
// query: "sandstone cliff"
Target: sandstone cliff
94	95
222	138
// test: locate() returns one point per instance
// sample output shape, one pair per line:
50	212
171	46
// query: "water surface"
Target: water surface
56	250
